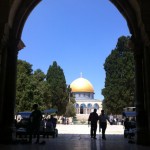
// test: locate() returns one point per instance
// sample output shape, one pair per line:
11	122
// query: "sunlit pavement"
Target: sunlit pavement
85	129
77	137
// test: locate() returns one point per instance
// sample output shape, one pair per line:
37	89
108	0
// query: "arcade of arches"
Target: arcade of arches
13	15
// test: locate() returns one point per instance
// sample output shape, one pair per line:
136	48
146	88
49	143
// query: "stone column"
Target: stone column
9	91
147	86
142	136
3	57
85	110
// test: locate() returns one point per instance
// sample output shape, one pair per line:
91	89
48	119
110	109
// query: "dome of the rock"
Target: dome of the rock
81	85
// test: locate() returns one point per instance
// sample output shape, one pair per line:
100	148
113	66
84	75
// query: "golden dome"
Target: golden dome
81	85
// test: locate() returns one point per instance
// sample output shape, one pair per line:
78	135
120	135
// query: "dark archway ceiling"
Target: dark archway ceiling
13	15
137	13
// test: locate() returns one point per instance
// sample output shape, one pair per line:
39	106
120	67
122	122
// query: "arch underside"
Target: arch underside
135	12
13	15
137	17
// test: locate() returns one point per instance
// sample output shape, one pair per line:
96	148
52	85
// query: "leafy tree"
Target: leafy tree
31	88
24	93
58	88
119	88
39	75
41	93
70	109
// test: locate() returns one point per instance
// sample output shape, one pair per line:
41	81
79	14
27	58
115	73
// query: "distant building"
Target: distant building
83	92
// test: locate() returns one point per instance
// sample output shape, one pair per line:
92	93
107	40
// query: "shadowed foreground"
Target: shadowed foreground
76	137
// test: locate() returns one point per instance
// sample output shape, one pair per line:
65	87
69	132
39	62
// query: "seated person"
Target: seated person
133	123
127	124
53	121
49	125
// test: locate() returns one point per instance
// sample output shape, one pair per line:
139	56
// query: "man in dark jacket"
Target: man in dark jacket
35	121
93	118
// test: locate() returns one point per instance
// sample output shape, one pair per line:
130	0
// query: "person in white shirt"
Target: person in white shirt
103	118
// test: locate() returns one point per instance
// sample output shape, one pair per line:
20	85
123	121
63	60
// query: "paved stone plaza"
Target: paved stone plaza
77	137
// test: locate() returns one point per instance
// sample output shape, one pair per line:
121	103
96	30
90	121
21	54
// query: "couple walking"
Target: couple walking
93	118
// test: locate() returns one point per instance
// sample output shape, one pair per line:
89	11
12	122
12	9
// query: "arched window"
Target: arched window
76	105
89	107
77	108
82	108
96	106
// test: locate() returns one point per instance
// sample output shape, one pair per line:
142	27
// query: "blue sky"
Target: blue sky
78	34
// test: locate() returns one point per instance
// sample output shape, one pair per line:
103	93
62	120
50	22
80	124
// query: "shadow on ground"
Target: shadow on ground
78	142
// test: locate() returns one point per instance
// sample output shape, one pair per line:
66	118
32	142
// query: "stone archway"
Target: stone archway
14	13
134	13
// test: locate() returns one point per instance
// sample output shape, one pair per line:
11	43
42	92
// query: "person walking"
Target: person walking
103	118
93	118
35	122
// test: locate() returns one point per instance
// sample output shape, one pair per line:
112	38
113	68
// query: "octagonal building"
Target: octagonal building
83	91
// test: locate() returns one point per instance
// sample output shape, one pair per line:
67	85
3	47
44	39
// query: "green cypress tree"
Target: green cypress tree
119	88
58	88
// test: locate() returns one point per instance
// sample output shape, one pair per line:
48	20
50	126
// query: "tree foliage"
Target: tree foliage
24	92
57	83
41	92
70	108
31	88
119	88
47	90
